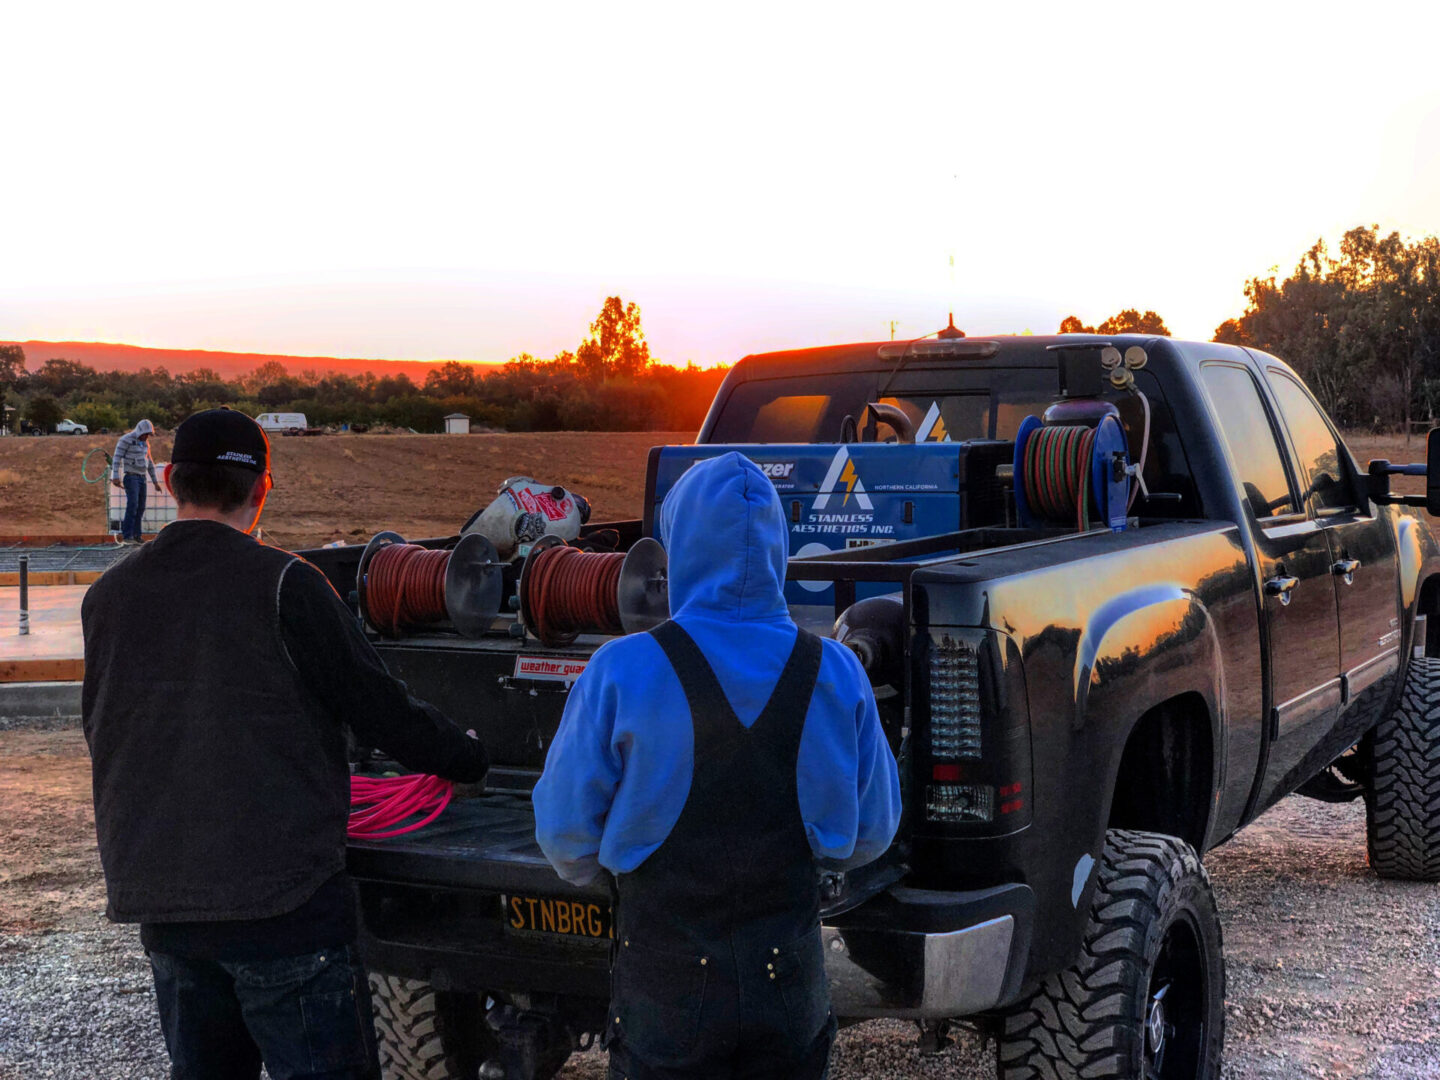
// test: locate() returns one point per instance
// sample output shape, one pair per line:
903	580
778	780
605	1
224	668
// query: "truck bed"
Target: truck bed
485	842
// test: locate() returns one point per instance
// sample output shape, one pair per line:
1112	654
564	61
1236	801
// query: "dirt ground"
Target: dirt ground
1332	972
348	487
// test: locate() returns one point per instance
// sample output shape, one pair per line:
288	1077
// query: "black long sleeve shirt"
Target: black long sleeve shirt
346	676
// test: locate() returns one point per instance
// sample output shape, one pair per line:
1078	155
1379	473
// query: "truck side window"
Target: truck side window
1245	426
1322	459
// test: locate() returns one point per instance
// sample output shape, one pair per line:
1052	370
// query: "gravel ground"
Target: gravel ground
1332	973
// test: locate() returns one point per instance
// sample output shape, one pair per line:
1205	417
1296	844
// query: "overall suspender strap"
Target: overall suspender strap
716	724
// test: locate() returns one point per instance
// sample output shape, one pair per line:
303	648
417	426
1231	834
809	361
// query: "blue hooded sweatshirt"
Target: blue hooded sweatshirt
619	771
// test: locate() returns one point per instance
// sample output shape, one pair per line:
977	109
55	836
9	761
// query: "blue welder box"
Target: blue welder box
846	495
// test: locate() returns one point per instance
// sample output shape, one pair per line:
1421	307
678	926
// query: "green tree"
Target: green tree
61	377
12	372
616	345
392	386
96	415
44	412
12	366
151	410
414	411
450	379
202	384
271	371
275	394
1129	321
1362	326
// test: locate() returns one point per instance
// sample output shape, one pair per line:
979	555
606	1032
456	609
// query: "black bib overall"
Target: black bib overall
719	970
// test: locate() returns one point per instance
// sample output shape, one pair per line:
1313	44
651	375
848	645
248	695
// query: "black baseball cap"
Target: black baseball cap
221	437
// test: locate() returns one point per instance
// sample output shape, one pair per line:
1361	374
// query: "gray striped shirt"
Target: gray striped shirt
132	457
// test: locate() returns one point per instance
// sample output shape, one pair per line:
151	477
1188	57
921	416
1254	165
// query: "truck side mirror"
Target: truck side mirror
1432	471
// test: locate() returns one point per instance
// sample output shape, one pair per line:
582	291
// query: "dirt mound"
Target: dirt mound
348	487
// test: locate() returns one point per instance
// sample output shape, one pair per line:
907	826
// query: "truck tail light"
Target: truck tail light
955	803
973	740
955	720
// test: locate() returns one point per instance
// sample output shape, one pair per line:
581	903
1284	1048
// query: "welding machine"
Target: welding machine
848	495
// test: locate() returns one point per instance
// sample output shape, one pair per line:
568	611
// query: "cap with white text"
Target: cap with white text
221	437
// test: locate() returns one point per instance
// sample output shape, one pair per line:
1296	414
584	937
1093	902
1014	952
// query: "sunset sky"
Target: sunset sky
470	181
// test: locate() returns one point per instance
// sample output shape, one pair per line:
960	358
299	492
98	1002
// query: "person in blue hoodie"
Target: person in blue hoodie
708	765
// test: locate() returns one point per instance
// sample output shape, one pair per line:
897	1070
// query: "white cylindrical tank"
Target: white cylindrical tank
525	510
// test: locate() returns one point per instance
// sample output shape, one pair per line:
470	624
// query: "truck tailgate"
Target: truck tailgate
485	843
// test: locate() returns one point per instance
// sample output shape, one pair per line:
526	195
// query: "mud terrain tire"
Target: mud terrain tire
1146	996
1402	807
425	1034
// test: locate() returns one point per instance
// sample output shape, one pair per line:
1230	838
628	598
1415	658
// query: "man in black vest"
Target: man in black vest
220	773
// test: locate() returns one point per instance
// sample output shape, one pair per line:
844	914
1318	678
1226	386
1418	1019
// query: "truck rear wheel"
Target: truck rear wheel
1145	1000
425	1034
1402	807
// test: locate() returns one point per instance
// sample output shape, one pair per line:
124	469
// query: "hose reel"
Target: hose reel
564	592
1076	459
561	591
401	586
1064	472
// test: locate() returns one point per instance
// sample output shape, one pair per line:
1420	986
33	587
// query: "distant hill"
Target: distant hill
103	356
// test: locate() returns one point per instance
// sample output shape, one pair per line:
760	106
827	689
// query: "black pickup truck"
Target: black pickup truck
1086	691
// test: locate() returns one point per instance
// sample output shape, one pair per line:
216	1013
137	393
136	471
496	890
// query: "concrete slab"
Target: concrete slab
23	702
65	557
54	650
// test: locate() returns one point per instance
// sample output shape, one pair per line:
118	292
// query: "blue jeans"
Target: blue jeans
304	1016
134	507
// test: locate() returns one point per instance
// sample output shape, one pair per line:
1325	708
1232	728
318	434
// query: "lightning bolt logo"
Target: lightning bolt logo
848	478
932	426
842	471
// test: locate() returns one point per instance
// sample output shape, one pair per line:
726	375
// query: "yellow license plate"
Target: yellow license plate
563	918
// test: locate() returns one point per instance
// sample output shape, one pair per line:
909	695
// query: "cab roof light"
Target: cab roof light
957	348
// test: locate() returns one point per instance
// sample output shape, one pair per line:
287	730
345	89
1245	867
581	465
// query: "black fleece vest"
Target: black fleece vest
221	785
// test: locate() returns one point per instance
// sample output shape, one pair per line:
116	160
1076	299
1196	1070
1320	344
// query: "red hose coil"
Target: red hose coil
570	591
382	806
405	586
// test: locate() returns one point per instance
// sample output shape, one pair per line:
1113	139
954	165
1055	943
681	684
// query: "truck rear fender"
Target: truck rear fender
1161	630
1149	679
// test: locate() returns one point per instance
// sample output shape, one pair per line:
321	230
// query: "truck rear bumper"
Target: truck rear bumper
924	954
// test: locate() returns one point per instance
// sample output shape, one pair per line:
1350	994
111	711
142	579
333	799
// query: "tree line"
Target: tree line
1361	325
609	382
